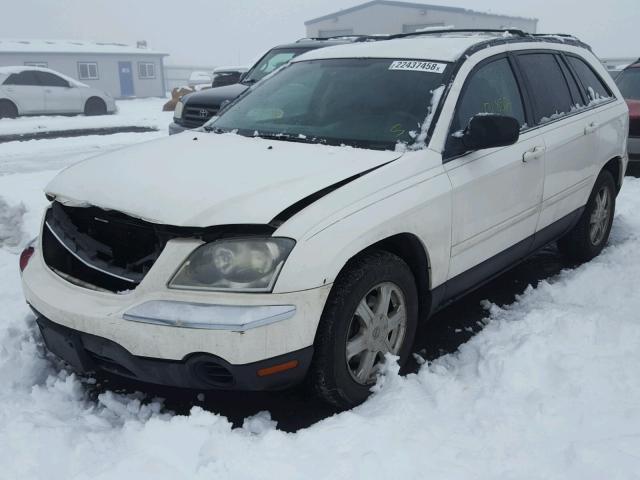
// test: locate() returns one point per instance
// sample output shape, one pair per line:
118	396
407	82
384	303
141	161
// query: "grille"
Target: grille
194	116
98	249
634	127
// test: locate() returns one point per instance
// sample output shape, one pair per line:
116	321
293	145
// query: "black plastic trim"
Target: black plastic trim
88	353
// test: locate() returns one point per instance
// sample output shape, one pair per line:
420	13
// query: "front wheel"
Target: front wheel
372	310
590	235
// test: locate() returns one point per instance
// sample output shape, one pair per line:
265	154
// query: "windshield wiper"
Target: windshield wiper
211	128
287	137
249	81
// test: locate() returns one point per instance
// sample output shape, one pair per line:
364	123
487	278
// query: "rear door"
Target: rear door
496	195
570	135
25	90
59	95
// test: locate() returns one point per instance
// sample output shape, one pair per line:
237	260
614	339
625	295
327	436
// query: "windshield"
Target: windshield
271	61
370	103
629	83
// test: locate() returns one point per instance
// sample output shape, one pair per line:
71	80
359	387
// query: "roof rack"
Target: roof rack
354	38
511	31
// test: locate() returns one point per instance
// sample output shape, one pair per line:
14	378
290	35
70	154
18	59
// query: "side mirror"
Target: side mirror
490	131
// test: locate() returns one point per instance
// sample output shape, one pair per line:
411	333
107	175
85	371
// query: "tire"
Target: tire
336	378
8	109
95	106
590	235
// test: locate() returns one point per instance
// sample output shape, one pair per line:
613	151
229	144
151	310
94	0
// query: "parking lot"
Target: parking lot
466	386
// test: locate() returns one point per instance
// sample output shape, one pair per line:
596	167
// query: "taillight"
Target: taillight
25	256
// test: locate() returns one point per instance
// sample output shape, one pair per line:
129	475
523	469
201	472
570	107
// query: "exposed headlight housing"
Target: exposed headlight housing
240	265
177	113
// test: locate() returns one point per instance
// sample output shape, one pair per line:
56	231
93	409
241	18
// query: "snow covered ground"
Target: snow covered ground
549	389
142	112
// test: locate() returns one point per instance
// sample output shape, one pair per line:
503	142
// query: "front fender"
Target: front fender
419	205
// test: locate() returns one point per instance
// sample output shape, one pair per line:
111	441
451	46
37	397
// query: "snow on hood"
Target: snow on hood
205	179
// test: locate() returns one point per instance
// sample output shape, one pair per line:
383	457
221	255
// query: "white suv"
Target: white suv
307	230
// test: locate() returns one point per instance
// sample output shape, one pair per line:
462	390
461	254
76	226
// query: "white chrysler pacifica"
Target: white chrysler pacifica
307	230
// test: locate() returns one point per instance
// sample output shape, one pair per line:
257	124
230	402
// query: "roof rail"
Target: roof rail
354	38
511	31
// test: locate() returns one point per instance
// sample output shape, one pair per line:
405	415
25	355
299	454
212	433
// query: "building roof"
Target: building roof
71	46
445	47
419	6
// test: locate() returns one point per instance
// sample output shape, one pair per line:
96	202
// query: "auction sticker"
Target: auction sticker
418	66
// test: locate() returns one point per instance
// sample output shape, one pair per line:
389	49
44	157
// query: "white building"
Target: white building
122	70
388	17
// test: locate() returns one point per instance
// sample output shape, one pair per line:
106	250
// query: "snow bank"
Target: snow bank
11	224
142	112
549	389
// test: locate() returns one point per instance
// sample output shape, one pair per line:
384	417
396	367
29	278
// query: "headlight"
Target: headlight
243	265
177	113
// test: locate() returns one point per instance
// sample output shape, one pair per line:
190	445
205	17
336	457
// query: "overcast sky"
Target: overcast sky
215	32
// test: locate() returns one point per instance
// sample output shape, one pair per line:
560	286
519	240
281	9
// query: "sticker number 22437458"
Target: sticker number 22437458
418	66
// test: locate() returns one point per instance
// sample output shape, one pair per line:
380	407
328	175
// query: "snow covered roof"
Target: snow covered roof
71	46
420	6
447	48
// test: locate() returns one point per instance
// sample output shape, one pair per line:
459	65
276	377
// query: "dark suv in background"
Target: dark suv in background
195	109
628	82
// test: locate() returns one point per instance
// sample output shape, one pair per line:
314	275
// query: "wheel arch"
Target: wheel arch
10	102
616	167
414	253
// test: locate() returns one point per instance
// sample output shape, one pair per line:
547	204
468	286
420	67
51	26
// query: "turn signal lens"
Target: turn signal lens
25	256
263	372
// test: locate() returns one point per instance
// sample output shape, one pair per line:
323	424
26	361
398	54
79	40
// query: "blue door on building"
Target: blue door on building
126	79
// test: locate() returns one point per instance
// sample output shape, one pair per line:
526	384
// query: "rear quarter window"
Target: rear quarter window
594	86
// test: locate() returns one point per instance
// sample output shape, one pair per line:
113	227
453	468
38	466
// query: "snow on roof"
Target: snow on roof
420	6
71	46
447	48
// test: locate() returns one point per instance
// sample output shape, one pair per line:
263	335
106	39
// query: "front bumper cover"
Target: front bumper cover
88	353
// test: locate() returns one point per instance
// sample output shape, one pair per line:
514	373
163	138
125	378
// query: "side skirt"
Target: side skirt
477	276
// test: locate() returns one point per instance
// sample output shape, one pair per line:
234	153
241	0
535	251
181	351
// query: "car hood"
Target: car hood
215	96
206	179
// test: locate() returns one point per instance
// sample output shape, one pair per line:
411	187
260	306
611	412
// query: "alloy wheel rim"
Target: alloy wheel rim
599	221
378	327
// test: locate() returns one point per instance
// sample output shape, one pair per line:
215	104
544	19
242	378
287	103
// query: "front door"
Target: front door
496	192
126	79
59	95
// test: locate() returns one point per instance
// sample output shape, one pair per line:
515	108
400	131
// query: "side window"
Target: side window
549	88
50	80
573	85
596	88
26	78
492	88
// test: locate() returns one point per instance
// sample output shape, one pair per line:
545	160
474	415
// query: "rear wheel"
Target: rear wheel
587	239
95	106
372	310
8	109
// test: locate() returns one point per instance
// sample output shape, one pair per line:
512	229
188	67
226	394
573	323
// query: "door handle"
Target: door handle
534	153
590	128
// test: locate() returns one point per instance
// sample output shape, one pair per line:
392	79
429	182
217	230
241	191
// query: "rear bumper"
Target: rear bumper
88	353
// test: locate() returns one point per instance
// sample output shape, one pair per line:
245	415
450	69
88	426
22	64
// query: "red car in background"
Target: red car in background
629	84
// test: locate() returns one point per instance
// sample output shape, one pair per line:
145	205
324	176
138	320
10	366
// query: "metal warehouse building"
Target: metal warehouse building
121	70
386	17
